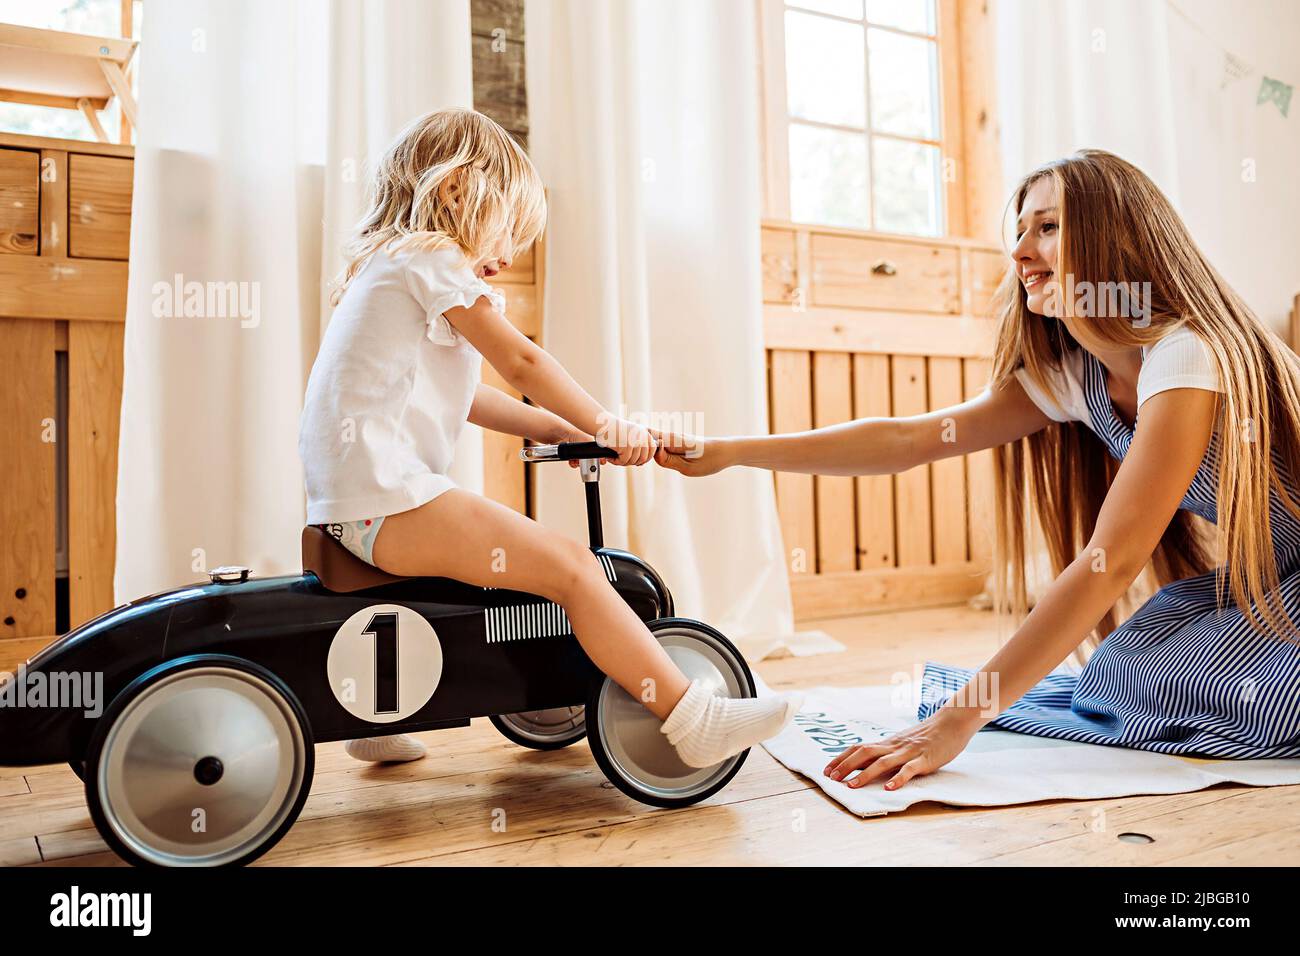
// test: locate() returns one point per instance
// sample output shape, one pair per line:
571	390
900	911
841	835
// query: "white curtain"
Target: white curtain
1147	81
257	123
643	125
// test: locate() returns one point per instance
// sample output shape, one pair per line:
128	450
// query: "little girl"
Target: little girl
397	377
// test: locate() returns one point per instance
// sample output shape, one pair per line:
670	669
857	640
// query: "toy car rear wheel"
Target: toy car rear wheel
202	761
625	737
549	729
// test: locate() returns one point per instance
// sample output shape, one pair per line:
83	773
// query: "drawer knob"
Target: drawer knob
884	268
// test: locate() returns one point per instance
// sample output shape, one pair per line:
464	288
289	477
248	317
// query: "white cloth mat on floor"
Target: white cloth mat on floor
998	767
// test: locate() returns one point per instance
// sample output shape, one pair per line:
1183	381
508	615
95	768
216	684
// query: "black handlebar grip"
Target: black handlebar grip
566	451
577	450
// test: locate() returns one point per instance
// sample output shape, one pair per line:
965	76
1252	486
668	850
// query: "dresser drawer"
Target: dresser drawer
870	273
99	206
20	190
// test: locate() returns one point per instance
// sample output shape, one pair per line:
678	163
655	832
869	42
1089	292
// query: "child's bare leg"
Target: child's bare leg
472	539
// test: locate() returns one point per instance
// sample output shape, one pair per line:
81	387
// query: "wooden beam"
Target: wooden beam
991	245
28	440
51	100
954	152
66	44
121	89
818	596
980	129
54	204
832	403
862	330
23	141
790	410
94	407
124	125
88	111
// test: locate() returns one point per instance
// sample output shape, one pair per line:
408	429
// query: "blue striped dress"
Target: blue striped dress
1182	675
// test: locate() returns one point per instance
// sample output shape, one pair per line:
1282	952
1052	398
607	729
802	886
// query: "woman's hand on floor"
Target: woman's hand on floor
909	753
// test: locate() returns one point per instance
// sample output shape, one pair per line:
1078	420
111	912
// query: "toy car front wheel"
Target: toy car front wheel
625	737
202	761
543	729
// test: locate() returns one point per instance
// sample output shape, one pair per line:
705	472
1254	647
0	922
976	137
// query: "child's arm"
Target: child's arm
536	374
1173	432
495	410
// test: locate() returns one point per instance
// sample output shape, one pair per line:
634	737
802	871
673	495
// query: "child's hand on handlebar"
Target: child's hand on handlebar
635	445
567	433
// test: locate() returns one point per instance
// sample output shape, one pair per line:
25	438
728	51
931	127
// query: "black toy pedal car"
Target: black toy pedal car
214	695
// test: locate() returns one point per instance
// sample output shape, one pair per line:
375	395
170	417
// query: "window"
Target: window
854	110
101	18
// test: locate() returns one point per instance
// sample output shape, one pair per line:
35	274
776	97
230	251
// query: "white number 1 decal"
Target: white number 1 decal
384	663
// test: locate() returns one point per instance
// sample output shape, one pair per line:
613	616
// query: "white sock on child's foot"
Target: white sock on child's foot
707	729
395	749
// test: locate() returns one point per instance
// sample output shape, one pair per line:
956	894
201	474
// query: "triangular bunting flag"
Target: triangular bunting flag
1275	91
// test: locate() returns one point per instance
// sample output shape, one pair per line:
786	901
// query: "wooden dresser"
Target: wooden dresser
861	324
65	214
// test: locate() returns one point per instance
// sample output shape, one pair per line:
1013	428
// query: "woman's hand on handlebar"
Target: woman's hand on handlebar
693	455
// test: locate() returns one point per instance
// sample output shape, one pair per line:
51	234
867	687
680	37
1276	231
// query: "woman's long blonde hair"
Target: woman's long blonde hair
1115	226
450	177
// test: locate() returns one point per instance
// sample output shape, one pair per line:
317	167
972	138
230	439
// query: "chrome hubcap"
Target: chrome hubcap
201	767
631	734
547	726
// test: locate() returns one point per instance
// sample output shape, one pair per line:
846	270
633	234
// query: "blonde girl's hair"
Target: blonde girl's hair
451	177
1115	225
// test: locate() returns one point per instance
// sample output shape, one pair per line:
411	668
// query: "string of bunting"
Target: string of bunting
1271	89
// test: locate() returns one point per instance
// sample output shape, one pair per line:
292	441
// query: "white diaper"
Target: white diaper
357	536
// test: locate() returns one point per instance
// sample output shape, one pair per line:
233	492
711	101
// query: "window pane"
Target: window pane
904	97
828	177
914	15
907	187
96	17
840	8
823	68
53	121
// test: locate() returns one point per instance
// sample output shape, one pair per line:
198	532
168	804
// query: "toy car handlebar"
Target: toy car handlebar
566	451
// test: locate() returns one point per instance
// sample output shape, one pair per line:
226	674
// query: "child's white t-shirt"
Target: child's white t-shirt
391	387
1178	360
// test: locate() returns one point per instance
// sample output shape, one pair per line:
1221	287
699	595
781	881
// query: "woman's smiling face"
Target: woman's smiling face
1035	254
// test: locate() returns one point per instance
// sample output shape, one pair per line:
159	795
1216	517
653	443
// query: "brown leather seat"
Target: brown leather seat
337	567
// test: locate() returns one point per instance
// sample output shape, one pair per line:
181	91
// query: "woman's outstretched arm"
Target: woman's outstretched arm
1173	432
868	446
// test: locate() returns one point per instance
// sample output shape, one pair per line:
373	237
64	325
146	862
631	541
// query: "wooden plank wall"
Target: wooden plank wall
864	325
505	477
64	238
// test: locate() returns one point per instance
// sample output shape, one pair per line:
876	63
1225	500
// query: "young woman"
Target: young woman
397	377
1133	395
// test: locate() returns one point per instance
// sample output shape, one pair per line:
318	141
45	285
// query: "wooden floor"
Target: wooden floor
557	808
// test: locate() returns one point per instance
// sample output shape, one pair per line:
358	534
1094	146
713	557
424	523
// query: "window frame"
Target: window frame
775	119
